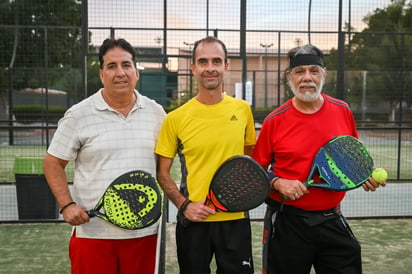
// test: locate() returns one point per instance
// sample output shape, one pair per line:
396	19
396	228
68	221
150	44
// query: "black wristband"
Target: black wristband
181	218
66	206
272	183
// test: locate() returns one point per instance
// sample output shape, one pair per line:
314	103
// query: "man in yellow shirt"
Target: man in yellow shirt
205	132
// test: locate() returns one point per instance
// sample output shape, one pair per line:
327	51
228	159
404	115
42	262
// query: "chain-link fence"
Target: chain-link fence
49	62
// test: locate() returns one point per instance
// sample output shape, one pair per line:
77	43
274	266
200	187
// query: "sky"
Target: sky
269	15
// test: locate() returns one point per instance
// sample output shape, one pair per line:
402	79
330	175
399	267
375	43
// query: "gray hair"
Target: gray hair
305	55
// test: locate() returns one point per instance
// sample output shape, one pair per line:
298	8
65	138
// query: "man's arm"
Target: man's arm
248	150
195	211
53	168
166	181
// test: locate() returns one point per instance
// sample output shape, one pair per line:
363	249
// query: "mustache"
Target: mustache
207	74
307	84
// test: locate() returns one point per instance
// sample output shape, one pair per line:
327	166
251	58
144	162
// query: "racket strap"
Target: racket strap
269	233
181	218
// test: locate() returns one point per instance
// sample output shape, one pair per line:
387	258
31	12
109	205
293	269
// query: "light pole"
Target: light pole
190	45
266	46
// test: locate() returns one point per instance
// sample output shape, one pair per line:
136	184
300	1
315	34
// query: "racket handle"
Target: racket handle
306	183
91	213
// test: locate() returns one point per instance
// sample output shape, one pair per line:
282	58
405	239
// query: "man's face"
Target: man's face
209	65
306	82
119	73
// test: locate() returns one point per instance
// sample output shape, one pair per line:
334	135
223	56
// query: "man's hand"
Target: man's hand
75	215
290	189
197	211
372	185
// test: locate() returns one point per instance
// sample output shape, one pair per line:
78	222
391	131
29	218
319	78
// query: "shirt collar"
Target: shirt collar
102	105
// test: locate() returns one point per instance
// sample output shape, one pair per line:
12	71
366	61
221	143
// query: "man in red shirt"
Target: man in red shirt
306	229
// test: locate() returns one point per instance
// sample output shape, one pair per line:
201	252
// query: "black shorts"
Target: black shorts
294	242
229	241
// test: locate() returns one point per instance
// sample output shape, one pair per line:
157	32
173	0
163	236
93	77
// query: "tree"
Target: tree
382	49
39	35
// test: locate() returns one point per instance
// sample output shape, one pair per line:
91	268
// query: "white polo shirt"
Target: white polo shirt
104	144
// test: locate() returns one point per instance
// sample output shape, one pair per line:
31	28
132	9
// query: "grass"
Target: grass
9	154
383	155
42	248
34	248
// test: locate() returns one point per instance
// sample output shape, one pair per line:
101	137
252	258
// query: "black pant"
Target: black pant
295	240
229	241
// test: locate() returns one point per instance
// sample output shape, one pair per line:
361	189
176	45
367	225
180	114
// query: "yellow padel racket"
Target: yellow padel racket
131	201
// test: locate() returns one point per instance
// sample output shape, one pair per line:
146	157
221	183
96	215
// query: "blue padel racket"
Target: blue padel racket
131	201
239	184
342	164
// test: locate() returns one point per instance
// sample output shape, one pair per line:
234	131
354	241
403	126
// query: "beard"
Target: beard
213	84
307	96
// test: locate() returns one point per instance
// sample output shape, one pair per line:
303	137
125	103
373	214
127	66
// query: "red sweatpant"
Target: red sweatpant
105	256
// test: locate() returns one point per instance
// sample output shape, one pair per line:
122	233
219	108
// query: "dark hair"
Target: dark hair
208	39
305	55
111	43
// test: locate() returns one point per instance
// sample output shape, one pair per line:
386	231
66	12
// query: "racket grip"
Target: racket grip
91	213
307	183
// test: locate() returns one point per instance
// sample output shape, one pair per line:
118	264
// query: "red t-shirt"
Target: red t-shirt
289	140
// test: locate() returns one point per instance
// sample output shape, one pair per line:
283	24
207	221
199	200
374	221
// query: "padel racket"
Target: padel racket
131	201
239	184
341	164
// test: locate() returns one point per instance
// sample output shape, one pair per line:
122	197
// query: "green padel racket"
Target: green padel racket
131	201
342	164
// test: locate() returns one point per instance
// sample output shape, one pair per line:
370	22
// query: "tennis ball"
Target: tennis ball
379	175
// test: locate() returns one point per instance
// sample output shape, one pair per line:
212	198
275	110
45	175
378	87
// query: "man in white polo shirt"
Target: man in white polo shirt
107	134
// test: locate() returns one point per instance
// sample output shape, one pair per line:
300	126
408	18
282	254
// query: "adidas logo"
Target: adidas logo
233	118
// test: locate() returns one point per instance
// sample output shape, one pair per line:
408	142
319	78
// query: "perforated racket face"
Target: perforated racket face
240	184
133	201
344	163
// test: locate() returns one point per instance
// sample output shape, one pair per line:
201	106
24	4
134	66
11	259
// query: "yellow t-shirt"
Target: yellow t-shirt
204	136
